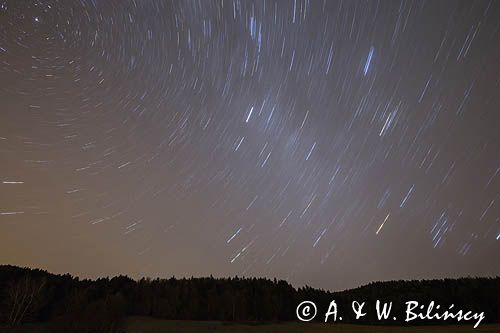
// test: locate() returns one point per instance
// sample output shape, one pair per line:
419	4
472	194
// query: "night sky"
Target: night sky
329	143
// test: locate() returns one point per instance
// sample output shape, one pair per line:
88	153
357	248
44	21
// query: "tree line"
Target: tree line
69	304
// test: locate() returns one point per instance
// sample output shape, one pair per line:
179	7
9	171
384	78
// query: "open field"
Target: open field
149	325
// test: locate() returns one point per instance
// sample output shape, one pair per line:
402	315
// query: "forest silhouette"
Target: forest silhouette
70	304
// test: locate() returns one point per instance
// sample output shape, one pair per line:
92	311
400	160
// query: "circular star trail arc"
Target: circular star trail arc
327	143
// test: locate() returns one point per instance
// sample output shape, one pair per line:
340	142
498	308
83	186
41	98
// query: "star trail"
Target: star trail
329	143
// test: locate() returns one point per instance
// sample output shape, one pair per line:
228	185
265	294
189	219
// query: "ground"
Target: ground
149	325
